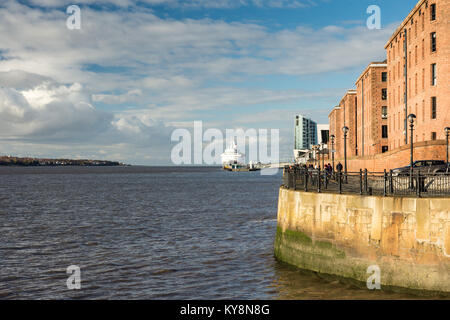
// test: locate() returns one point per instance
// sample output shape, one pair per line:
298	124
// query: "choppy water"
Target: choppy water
148	233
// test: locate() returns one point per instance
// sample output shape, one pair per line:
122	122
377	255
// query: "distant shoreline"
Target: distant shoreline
10	161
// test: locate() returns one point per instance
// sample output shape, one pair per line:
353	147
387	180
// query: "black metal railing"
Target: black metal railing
385	183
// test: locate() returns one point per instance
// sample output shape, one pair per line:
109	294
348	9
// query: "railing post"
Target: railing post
340	181
289	174
366	181
295	179
391	183
418	184
360	182
306	180
385	183
318	181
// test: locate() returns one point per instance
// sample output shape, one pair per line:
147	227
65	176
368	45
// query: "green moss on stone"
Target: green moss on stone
297	236
286	241
323	244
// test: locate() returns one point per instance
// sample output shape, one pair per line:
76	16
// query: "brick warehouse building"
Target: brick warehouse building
344	115
426	78
336	122
372	110
425	34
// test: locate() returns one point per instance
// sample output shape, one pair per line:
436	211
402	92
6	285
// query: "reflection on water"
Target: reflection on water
148	233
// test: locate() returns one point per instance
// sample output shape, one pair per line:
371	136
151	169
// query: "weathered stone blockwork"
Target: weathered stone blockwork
408	238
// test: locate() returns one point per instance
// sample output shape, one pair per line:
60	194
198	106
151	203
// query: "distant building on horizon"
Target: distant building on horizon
305	133
305	137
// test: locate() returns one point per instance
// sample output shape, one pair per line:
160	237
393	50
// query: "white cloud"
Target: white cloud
130	96
49	112
160	71
215	4
159	49
20	79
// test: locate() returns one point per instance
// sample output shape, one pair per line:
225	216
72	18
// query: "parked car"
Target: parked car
423	166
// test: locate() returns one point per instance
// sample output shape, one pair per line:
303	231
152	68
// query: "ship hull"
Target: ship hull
239	169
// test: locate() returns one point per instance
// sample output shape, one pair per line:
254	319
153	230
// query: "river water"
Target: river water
148	233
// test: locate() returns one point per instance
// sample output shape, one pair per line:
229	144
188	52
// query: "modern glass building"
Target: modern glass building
323	133
305	133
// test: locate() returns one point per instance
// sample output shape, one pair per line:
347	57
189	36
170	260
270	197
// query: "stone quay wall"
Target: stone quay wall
342	235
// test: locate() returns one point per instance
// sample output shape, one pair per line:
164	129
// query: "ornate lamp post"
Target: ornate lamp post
447	133
332	150
323	156
345	130
411	118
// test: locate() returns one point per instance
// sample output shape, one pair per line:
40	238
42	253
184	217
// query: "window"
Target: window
384	76
423	49
384	112
433	107
423	22
384	149
409	88
433	42
384	131
415	55
415	83
383	94
433	12
433	136
433	74
423	79
423	114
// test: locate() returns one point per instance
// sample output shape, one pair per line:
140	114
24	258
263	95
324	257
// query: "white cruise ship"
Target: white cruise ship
232	159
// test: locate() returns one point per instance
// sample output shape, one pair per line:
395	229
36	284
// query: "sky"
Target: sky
135	71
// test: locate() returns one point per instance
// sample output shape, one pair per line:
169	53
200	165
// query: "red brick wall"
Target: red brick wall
369	120
420	91
348	107
336	119
428	150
